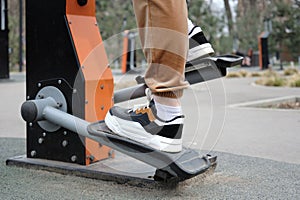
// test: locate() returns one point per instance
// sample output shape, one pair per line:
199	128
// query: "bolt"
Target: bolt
39	84
92	158
100	145
74	91
59	105
64	143
96	24
30	124
82	67
86	102
33	153
44	134
110	153
102	87
65	132
59	82
102	107
28	97
70	22
40	140
41	96
74	158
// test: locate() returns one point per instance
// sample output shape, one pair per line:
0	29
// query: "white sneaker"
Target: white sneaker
199	47
143	125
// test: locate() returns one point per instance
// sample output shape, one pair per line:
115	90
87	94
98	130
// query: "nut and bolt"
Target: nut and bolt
64	143
41	96
59	105
74	158
33	153
40	140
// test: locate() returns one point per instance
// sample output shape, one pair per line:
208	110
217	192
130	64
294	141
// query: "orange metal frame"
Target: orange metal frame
125	52
95	68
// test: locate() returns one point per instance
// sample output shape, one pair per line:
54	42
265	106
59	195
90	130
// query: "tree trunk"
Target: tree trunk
229	17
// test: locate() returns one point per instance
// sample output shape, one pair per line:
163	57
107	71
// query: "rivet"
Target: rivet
70	22
40	140
44	134
65	132
102	87
74	91
64	143
96	24
39	84
102	107
74	158
59	81
82	67
30	124
28	97
33	153
86	102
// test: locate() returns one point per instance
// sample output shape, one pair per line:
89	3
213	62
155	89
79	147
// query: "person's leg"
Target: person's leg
163	33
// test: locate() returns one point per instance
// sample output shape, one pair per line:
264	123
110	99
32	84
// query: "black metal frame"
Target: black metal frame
4	42
52	61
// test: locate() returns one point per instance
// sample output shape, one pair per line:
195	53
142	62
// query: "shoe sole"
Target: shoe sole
200	51
155	141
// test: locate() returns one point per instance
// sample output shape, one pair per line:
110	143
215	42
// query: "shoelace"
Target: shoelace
143	106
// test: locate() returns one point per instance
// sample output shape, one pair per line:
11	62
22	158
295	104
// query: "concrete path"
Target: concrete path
258	149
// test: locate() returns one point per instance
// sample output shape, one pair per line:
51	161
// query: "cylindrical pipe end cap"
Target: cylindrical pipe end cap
29	111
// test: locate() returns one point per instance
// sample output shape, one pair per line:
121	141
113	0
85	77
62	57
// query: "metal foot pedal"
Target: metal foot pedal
171	167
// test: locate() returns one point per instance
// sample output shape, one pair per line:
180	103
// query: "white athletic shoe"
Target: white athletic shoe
199	47
143	125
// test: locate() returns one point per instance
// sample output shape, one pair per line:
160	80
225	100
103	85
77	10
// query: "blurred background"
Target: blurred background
232	26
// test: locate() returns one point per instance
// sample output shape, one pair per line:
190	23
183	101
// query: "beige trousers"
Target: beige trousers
163	32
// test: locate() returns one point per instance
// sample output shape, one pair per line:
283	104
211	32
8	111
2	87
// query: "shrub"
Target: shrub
297	83
243	73
233	75
256	74
279	82
291	71
270	73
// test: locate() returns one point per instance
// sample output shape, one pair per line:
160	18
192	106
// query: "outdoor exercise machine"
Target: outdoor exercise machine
69	90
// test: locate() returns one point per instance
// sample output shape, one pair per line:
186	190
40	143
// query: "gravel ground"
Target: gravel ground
236	177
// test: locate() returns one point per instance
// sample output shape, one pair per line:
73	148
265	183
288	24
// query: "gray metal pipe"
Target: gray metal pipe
66	120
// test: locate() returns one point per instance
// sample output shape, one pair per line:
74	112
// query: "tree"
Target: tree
286	28
111	15
229	17
201	14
